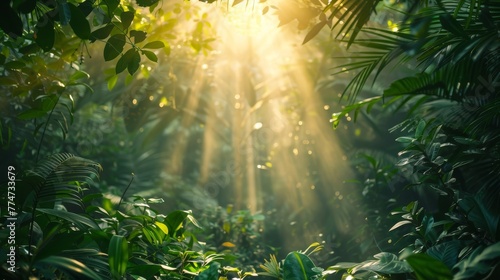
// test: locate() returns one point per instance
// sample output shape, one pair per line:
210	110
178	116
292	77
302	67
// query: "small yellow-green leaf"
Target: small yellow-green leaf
162	227
112	82
228	244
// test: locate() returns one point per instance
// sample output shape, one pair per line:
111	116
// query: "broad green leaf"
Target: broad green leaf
70	266
481	213
478	263
138	36
118	256
45	35
446	252
127	18
387	263
174	221
154	45
426	267
298	266
114	46
112	5
150	55
101	33
212	273
79	23
135	62
32	114
124	61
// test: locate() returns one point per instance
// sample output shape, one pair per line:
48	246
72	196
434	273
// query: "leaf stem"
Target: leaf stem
125	191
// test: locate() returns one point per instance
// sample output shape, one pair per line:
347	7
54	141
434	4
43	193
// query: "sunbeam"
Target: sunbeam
266	144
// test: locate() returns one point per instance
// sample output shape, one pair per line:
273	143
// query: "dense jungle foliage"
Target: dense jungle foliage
108	172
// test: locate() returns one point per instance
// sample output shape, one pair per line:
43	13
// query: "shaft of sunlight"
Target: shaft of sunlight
265	127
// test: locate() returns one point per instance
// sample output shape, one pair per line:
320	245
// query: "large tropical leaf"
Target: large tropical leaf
480	262
426	267
298	266
384	263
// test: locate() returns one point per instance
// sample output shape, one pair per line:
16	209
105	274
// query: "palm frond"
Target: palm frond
440	38
58	178
352	15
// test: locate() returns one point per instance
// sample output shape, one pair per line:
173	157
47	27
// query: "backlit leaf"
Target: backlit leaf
154	45
127	18
139	36
101	33
314	31
124	61
162	226
114	46
399	224
135	62
150	55
236	2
